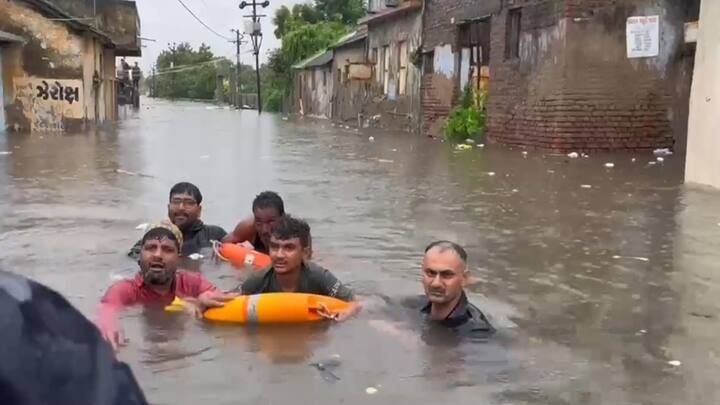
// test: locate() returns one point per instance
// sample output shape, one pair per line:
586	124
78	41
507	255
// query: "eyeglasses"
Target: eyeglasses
177	202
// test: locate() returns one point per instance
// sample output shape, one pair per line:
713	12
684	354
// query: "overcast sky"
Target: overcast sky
167	21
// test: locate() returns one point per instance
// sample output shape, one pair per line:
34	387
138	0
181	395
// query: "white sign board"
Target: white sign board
643	37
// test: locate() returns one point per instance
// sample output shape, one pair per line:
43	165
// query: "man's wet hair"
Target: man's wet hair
445	245
159	234
289	227
269	199
186	188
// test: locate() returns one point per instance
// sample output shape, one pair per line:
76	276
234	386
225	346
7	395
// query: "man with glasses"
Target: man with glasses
184	210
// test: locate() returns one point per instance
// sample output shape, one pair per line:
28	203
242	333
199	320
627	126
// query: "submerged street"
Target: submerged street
602	281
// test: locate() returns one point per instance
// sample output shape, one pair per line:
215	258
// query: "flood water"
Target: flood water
594	290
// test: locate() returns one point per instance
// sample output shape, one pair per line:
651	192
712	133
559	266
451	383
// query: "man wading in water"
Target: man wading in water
254	233
157	283
184	210
291	270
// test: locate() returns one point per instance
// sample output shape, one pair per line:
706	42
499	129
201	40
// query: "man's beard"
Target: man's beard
158	278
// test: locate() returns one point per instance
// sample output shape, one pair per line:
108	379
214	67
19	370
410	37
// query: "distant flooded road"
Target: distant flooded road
603	281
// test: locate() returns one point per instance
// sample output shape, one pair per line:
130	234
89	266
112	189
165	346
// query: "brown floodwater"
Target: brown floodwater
600	280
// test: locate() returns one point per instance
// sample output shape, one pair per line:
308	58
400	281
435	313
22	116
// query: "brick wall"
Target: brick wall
440	92
438	28
573	88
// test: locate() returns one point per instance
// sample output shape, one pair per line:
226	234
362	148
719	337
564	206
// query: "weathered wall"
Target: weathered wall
442	16
395	110
315	88
573	87
702	162
348	92
48	80
441	86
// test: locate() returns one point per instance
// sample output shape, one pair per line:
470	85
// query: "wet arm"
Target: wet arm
243	232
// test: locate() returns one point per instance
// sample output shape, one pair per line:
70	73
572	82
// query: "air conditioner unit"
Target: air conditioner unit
392	3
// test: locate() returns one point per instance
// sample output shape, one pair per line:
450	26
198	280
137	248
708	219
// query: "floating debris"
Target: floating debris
662	152
5	152
609	165
491	173
463	146
660	159
284	118
675	363
585	186
573	155
652	163
515	190
386	161
142	227
470	141
371	138
642	259
129	173
371	390
551	171
524	153
482	145
196	256
633	160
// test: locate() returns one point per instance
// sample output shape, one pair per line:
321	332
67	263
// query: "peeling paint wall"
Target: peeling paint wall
350	94
313	91
397	96
55	54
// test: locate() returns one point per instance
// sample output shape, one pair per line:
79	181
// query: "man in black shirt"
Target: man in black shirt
444	274
184	210
292	272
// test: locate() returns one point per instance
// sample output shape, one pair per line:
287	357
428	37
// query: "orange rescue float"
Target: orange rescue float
240	256
273	308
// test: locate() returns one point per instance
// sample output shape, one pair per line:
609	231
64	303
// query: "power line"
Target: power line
201	22
182	68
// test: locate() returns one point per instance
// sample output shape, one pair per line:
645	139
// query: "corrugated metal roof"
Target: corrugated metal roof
319	59
351	38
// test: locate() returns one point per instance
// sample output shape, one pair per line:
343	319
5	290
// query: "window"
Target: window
512	34
429	63
402	63
325	80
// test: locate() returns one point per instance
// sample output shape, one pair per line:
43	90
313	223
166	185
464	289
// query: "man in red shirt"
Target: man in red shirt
157	283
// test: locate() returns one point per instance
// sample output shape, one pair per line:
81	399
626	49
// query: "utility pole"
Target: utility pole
173	48
238	85
256	38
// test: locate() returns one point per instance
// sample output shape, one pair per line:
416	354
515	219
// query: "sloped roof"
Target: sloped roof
351	38
321	58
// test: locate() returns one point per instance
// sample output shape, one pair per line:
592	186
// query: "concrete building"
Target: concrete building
702	159
58	61
313	87
561	76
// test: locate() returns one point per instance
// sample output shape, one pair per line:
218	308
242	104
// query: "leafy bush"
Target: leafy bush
468	120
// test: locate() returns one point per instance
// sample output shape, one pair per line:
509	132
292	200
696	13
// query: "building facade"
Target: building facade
313	87
58	61
394	38
560	77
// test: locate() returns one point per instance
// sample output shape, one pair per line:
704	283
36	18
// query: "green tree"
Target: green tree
304	30
184	72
